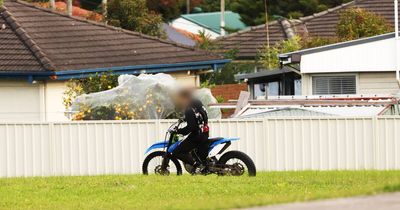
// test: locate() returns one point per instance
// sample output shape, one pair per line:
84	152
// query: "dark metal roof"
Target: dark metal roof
267	73
39	39
176	36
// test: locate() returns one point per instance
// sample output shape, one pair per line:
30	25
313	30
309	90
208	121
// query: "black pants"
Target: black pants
197	141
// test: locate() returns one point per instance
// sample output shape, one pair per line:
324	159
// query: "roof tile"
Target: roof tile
58	42
322	24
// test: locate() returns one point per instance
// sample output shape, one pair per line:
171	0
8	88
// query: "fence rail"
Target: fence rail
275	144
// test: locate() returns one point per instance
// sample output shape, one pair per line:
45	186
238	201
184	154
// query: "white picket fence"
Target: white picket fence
278	144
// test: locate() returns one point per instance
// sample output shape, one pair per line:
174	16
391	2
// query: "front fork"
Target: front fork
166	158
165	162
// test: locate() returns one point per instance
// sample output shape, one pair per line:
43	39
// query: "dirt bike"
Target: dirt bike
162	162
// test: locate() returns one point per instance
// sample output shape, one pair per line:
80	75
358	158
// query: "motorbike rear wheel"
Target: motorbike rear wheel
150	164
237	162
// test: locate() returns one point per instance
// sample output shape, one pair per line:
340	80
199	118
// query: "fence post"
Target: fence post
376	141
265	141
52	148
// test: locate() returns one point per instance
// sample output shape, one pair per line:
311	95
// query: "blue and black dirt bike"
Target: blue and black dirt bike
162	162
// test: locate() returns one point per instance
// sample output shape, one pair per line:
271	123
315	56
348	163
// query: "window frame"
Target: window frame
356	76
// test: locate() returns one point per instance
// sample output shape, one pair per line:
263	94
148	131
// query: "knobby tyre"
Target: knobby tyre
159	155
237	155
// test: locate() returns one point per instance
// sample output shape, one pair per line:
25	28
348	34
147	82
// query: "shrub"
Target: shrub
268	56
357	23
92	84
135	16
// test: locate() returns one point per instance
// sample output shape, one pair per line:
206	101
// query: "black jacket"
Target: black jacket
195	117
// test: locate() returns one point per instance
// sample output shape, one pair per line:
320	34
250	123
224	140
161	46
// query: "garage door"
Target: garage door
19	101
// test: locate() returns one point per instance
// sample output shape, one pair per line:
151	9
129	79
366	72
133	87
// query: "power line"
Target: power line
267	30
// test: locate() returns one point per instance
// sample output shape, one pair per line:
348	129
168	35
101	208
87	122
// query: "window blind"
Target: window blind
334	85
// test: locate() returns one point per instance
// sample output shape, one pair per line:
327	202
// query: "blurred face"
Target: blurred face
182	102
183	99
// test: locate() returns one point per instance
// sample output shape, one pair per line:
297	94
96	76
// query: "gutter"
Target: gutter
139	69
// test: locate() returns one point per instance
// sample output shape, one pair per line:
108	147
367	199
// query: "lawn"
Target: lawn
189	192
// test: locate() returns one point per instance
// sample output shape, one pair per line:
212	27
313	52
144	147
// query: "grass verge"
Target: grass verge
190	192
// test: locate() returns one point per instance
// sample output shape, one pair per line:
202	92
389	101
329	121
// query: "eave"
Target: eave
139	69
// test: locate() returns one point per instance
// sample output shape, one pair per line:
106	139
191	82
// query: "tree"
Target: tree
226	75
252	12
204	42
91	5
269	56
357	23
171	9
135	16
92	84
311	42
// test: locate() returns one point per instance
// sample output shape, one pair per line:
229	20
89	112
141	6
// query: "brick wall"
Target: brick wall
229	91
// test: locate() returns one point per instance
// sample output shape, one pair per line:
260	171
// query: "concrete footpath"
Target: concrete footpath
379	202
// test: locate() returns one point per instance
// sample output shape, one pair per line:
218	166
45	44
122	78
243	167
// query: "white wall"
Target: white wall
187	78
23	101
276	144
43	101
378	56
378	83
183	24
55	110
368	83
20	101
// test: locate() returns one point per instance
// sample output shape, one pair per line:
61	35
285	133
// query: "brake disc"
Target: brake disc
158	170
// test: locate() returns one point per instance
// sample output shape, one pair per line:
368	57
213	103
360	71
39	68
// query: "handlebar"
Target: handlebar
175	126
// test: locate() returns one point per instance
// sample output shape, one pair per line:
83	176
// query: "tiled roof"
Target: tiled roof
40	39
14	54
322	24
248	42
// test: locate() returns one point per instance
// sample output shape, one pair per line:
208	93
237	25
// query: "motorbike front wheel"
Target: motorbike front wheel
237	163
152	165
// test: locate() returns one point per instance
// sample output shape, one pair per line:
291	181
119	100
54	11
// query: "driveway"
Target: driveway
378	202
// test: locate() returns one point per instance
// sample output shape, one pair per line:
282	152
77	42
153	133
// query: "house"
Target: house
364	66
264	84
248	42
209	22
41	49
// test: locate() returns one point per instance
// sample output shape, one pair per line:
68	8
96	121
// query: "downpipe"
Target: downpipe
397	41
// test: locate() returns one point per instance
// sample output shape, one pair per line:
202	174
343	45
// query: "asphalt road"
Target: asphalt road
378	202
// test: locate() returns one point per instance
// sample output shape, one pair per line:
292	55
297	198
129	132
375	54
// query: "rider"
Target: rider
196	118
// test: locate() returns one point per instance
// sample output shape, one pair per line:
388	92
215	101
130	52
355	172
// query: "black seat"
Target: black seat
212	140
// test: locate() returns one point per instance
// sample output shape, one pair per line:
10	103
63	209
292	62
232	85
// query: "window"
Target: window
259	90
334	85
297	87
266	89
273	89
